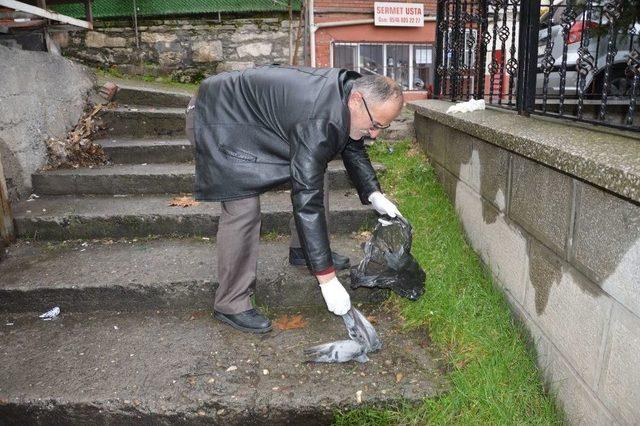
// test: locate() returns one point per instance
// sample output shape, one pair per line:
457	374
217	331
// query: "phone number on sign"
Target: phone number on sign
404	20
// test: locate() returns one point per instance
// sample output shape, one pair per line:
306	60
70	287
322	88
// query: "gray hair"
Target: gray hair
378	89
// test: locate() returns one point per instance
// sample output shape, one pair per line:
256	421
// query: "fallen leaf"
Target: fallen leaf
372	319
198	314
292	322
183	202
232	368
363	236
399	377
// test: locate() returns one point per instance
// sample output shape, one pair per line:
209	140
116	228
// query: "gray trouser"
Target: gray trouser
237	244
237	252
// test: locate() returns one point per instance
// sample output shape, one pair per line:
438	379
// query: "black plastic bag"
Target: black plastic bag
388	262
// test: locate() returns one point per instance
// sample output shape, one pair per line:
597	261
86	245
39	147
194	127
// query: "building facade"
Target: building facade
345	34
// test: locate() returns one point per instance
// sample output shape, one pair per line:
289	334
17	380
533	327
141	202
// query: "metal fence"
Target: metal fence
563	58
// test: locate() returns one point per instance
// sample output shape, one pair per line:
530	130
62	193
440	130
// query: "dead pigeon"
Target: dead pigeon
364	339
340	351
361	330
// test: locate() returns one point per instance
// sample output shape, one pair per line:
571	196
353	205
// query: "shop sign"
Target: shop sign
399	14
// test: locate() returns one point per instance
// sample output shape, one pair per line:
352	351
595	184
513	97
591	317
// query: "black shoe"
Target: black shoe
251	321
296	258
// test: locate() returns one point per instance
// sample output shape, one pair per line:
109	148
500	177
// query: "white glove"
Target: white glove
382	205
337	298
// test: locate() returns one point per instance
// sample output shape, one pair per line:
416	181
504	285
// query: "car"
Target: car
593	26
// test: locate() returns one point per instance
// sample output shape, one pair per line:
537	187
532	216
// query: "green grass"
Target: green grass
490	367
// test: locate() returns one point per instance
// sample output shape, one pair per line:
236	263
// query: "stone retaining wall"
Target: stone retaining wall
41	96
186	49
565	252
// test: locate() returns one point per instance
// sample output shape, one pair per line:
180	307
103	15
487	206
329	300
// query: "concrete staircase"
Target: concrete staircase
135	278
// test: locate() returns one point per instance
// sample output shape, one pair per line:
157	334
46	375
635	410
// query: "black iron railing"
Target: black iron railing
577	59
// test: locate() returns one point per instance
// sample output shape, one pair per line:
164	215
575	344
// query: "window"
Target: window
371	59
470	39
411	65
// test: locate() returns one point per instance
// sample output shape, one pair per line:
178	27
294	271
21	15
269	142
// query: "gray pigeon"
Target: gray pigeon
361	330
363	336
340	351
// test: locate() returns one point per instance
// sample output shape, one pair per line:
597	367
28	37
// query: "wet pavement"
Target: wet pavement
185	367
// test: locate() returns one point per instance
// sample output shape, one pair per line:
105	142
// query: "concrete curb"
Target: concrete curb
608	159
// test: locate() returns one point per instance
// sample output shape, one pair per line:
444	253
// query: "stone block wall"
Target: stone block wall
186	49
565	252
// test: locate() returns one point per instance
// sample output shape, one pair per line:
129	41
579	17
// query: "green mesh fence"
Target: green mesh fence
124	8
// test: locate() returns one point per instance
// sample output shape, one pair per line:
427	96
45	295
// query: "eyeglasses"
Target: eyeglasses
374	125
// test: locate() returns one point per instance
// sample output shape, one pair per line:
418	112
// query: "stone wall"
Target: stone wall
185	49
565	252
41	96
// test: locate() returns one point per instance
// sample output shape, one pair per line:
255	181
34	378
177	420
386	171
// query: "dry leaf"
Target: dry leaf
399	377
372	319
363	236
290	323
183	202
77	149
198	314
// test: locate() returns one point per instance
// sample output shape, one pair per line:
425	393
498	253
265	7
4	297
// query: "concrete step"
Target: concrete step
187	368
155	150
138	151
143	121
126	275
129	94
73	217
143	179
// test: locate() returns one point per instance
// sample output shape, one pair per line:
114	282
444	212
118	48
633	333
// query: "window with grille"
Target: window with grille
411	65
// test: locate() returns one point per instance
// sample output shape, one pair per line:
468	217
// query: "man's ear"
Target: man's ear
354	97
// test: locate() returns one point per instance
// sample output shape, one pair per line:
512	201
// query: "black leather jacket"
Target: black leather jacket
258	128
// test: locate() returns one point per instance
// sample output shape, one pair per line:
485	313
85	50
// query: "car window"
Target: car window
559	8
